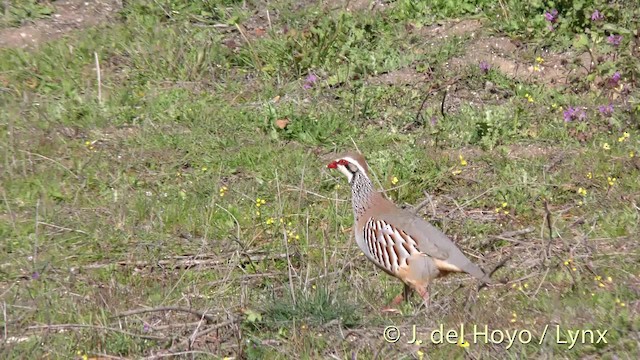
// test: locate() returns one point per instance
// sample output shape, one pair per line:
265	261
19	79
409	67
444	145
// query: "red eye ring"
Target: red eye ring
343	162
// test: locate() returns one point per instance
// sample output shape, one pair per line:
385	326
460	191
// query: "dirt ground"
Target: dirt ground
500	52
69	15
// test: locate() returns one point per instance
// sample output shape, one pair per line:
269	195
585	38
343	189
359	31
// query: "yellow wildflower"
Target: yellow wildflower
463	344
270	221
631	154
394	180
611	180
463	162
536	68
606	146
504	204
539	60
456	172
582	191
589	175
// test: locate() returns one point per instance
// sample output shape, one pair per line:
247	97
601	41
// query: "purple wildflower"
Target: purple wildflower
614	39
434	120
597	16
606	110
551	16
615	78
309	81
146	327
35	275
573	114
484	66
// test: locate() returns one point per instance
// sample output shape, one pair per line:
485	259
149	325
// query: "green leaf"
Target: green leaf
616	29
582	41
252	316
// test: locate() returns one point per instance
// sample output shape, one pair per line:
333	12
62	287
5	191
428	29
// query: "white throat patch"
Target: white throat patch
343	169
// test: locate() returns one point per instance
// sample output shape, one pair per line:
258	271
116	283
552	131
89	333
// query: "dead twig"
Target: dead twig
181	263
424	203
509	236
61	227
444	97
550	226
494	269
191	339
199	314
95	327
99	77
180	353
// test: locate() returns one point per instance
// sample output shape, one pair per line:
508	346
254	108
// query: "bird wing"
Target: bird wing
432	242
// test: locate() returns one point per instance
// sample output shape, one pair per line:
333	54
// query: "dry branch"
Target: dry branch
199	314
94	327
187	262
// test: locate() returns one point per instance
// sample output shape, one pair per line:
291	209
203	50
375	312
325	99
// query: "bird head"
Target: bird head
350	164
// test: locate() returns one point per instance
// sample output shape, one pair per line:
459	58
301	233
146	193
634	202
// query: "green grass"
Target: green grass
148	196
18	12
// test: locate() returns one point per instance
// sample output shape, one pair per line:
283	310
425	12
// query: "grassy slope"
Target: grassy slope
188	109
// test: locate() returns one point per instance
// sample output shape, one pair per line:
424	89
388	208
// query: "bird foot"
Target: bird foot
392	307
390	310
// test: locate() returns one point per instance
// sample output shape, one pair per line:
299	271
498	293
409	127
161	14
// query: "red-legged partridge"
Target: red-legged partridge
399	242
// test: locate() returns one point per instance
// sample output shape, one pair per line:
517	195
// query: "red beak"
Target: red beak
333	165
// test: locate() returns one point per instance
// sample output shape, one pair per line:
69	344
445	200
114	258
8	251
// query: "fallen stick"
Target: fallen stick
199	314
94	327
181	262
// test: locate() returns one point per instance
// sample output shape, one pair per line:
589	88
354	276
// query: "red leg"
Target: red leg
403	296
424	294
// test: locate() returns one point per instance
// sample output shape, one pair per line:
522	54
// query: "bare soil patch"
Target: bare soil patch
69	15
504	55
516	60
